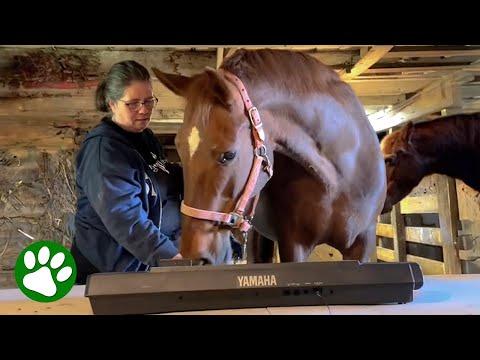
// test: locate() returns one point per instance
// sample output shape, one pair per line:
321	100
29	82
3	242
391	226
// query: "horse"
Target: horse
448	145
274	139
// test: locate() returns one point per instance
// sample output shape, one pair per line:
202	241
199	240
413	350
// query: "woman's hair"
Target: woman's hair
118	78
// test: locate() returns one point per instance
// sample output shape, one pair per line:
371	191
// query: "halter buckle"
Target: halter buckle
235	219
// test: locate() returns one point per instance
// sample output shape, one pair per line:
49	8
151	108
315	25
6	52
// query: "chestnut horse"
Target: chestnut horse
279	129
449	145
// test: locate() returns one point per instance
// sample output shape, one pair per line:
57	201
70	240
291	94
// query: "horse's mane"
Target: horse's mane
282	69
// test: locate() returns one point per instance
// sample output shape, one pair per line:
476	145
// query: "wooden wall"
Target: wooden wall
46	107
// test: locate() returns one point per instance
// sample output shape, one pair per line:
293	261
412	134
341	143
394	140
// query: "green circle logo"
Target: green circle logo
45	271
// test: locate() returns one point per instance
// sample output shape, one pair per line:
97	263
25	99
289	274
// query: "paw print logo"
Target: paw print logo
45	271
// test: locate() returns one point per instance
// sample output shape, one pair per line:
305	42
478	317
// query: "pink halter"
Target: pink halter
237	218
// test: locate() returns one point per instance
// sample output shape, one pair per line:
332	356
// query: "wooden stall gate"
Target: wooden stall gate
426	228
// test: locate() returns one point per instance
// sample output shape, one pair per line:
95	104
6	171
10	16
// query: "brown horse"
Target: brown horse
449	145
328	183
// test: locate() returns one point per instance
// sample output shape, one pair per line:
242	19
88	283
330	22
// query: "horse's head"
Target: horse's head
404	167
220	154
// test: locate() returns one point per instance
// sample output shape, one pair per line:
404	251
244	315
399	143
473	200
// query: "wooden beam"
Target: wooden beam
470	105
303	48
429	267
384	230
413	70
381	87
385	254
58	131
387	77
419	205
431	53
423	235
449	223
470	91
367	61
381	100
230	52
335	58
219	56
438	95
70	104
174	60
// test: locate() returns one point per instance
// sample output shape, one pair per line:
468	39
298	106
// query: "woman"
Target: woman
128	208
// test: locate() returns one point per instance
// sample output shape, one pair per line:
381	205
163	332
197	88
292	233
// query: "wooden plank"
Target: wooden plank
59	132
7	280
429	267
180	61
385	230
399	76
83	103
380	87
384	254
470	106
449	223
431	53
219	56
35	132
423	235
419	205
468	203
427	186
470	91
437	96
381	100
335	58
398	226
230	52
368	60
413	69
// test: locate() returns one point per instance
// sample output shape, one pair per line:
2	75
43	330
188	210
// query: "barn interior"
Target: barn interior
47	107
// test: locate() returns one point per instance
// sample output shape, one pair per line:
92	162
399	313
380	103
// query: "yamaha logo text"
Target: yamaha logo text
256	280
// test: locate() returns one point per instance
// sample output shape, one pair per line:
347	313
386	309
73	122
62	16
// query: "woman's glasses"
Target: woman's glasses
137	105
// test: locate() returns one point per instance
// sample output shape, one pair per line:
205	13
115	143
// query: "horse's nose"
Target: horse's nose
198	250
213	258
205	261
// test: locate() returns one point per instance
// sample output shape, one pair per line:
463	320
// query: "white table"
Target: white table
440	294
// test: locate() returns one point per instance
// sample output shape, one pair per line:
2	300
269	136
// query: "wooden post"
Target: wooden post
399	237
448	217
219	56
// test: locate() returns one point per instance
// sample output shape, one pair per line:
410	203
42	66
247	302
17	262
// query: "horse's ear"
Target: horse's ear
220	89
176	83
407	132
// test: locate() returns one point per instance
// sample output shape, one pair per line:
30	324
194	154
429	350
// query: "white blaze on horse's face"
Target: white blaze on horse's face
193	141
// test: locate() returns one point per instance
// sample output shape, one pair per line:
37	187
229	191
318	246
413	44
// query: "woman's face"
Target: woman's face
134	109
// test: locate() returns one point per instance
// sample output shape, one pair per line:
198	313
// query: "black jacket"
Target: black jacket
128	208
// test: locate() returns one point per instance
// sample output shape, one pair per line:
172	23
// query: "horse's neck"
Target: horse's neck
292	132
318	131
453	157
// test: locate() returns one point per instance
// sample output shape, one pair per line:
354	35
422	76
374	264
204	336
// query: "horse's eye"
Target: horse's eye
226	157
390	160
